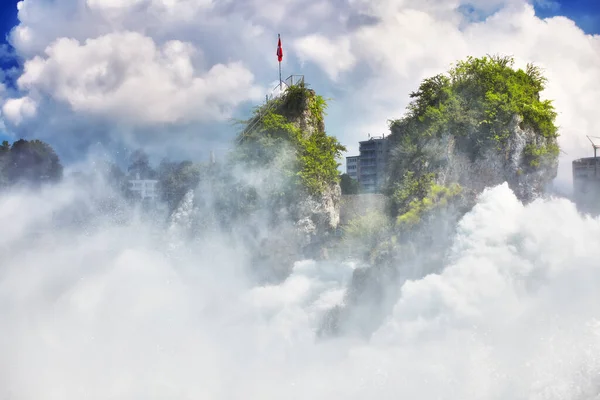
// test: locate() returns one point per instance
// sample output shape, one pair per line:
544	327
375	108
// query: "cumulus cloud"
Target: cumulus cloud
16	110
333	56
127	77
191	60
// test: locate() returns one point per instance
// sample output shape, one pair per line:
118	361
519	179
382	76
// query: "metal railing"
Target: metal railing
289	81
276	92
294	80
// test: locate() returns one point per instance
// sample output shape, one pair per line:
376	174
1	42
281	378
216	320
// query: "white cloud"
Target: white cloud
127	76
16	110
548	4
333	56
173	9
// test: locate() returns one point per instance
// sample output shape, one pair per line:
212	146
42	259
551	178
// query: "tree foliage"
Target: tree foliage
175	179
364	234
348	185
4	161
293	121
416	195
139	164
477	101
31	162
482	95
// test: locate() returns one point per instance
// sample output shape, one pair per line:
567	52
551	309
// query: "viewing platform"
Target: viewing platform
277	92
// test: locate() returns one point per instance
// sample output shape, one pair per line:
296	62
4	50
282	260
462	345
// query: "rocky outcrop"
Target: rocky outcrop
317	215
357	205
477	166
415	250
279	192
314	201
304	116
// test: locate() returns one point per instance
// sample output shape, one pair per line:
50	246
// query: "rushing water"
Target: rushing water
118	311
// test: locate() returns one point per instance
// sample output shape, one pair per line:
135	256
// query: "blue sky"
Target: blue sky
8	19
170	76
586	13
8	15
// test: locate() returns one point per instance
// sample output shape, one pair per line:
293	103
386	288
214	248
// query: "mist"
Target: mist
101	299
105	302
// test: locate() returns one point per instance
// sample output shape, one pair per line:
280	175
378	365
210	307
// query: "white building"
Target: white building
147	189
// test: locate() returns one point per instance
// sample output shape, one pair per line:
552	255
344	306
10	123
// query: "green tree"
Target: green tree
115	177
476	103
482	95
175	179
363	234
282	123
139	164
4	160
33	162
348	185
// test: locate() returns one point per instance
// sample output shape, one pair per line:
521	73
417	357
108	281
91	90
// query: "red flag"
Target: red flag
279	50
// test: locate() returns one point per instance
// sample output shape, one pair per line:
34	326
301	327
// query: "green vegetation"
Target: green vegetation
482	96
413	197
4	160
535	154
32	162
364	234
349	185
139	165
175	179
476	106
437	196
478	102
294	121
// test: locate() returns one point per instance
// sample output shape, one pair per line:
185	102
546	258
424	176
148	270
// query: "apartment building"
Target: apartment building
369	167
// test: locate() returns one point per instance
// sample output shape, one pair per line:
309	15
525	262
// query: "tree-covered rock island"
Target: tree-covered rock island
481	124
277	194
287	135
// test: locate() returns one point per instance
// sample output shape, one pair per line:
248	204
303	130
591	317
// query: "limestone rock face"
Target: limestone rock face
254	199
493	166
304	118
465	160
315	215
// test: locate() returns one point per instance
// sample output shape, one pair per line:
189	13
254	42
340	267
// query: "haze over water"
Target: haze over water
107	311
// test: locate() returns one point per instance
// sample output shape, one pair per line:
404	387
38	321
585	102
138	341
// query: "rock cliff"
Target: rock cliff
473	163
278	193
309	190
481	125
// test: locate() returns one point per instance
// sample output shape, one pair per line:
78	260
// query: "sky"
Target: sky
173	76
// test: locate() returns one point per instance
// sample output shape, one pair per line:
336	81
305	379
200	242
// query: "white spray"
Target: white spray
118	312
